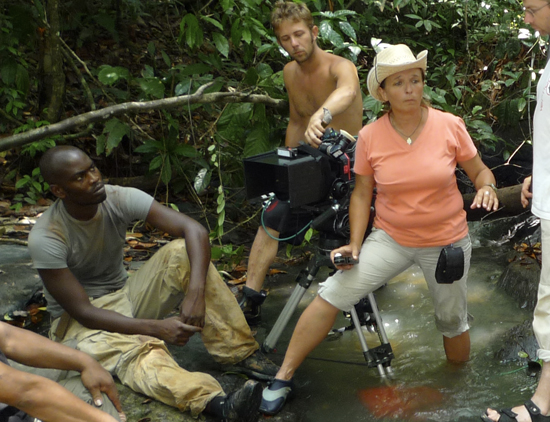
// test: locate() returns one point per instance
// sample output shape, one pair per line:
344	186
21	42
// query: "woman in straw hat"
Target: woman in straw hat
410	156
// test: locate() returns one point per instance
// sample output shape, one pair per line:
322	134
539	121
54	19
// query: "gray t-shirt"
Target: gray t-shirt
93	249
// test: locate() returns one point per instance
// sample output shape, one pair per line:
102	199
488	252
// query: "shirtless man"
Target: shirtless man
323	89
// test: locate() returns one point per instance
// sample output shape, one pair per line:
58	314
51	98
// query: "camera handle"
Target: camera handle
379	356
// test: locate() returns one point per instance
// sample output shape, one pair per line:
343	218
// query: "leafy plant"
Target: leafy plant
33	186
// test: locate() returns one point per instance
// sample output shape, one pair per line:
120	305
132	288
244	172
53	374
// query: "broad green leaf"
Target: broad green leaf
213	22
22	79
457	92
221	43
115	131
166	171
100	144
166	58
257	141
108	75
150	146
152	86
151	48
191	31
21	182
186	151
202	180
156	163
327	32
236	33
8	71
247	37
183	88
348	30
148	71
227	4
264	70
196	69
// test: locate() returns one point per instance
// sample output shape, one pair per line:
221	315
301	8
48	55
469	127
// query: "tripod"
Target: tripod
365	313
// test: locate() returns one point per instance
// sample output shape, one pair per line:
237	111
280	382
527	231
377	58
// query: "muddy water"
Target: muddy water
335	385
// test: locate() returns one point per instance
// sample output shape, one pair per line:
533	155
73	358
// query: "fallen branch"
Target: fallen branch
509	205
198	97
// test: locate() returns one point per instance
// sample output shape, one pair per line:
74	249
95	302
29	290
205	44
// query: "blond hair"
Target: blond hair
290	10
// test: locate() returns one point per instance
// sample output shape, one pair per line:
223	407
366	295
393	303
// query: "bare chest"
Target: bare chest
307	93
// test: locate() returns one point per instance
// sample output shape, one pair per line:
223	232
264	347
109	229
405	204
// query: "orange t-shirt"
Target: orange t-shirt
417	202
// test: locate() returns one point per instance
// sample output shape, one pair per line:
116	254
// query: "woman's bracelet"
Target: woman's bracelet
491	185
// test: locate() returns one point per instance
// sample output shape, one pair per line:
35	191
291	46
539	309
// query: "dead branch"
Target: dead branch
198	97
509	205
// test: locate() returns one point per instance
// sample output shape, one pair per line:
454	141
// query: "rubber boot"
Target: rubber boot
251	303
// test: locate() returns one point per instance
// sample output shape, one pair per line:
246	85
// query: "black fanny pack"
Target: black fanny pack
450	265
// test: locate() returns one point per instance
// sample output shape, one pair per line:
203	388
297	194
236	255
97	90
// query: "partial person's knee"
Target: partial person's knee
452	326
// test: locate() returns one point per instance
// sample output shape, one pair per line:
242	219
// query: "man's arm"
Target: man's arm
41	397
347	89
69	293
198	249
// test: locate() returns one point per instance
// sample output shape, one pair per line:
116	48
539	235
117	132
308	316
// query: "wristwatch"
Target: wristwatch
327	117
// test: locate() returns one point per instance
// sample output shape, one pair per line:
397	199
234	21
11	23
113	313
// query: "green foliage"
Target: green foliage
31	188
228	256
114	132
170	155
479	68
15	80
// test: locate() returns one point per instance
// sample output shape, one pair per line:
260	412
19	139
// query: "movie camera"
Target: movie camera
318	181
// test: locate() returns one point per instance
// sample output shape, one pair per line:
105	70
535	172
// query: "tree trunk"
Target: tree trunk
53	78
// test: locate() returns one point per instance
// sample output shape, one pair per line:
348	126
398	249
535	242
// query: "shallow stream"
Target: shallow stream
334	384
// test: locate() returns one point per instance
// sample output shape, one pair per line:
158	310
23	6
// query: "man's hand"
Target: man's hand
173	331
526	193
315	129
97	380
193	310
347	250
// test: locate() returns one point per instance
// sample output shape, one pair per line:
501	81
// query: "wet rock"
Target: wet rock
517	340
18	280
521	279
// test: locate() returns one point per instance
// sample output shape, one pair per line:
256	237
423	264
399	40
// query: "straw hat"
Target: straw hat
391	60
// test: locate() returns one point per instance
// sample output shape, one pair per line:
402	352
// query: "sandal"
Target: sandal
506	415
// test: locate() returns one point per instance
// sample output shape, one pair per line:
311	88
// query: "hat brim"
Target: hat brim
375	78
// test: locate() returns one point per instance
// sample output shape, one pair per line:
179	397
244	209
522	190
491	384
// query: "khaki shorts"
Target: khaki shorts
381	259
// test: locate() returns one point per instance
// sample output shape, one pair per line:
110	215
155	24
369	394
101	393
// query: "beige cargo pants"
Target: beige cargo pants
143	363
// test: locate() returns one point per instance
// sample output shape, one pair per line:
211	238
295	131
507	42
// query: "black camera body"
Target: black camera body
304	175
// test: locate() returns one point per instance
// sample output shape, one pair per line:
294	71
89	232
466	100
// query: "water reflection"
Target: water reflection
335	384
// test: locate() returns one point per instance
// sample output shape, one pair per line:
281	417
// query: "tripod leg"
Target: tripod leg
363	341
381	330
270	342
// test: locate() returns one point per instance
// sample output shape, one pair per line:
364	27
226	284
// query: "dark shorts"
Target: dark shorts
278	216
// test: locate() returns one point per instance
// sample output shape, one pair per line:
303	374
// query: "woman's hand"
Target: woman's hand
486	197
347	250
